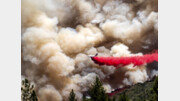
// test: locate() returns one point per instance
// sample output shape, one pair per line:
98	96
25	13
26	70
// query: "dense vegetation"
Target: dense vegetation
147	91
72	96
27	91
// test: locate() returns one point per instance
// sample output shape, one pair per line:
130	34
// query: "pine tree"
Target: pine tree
155	85
154	90
72	96
27	91
97	92
114	99
84	98
123	97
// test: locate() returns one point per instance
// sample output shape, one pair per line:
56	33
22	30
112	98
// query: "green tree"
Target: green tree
154	90
27	91
72	96
155	85
97	92
123	97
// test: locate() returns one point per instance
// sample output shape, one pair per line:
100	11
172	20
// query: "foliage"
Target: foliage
123	97
97	92
27	91
72	96
155	85
147	91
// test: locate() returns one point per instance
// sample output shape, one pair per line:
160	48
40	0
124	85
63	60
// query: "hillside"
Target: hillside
147	91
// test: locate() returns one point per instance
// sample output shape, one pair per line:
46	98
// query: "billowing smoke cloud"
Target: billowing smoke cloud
79	39
60	36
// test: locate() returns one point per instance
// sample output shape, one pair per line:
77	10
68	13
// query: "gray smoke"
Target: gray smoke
59	36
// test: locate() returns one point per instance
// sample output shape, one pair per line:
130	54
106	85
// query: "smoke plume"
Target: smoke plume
60	36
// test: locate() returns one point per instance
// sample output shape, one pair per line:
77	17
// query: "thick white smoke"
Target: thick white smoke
59	36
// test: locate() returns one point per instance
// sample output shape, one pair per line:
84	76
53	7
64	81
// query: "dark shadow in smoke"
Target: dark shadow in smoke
150	67
116	78
143	5
146	44
73	22
153	65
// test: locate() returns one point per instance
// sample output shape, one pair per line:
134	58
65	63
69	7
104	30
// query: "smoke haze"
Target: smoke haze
59	36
